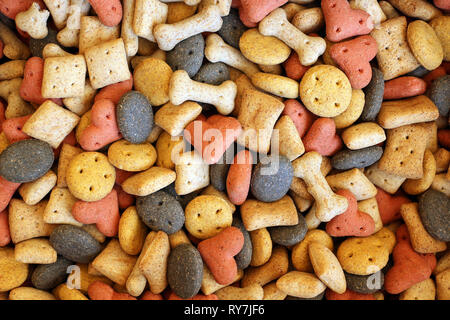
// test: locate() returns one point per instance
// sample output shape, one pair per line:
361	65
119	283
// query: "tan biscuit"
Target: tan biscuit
59	208
35	191
416	9
261	246
290	143
148	181
12	69
384	180
417	186
147	14
67	153
275	84
423	290
441	26
173	119
300	284
192	173
35	251
425	44
131	157
93	32
363	135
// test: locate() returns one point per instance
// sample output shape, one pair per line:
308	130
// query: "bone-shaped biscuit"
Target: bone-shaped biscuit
224	5
217	50
276	24
69	36
13	48
169	35
33	21
327	203
182	88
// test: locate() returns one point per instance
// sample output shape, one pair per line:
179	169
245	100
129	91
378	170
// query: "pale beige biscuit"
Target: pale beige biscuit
148	14
302	204
425	44
370	206
54	50
388	9
127	156
299	187
327	267
210	285
384	180
355	181
442	285
308	49
154	262
33	21
80	105
13	48
64	76
275	84
168	149
114	263
416	8
35	251
130	38
59	10
312	222
257	115
276	267
27	222
210	190
325	91
394	55
423	290
16	106
93	32
271	292
300	284
224	5
59	208
207	216
107	63
174	119
404	150
441	26
12	69
262	49
90	177
441	184
421	240
93	231
152	78
257	214
290	143
35	191
251	292
292	9
148	181
309	20
417	186
67	153
192	173
29	293
261	246
243	83
363	135
51	123
371	7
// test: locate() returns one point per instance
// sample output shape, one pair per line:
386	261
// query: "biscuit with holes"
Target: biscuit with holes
403	154
107	63
355	181
394	55
192	173
417	186
63	77
325	91
370	206
93	32
59	208
384	180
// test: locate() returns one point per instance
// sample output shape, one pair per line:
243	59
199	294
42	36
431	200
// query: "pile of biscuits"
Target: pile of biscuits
224	150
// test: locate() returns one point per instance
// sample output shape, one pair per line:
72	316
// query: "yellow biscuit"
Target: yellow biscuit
13	272
168	148
275	84
441	26
354	110
131	157
148	181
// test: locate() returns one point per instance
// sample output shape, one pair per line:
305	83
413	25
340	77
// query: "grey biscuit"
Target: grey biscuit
349	159
232	28
213	73
434	210
187	55
439	93
373	96
49	276
365	284
244	257
289	235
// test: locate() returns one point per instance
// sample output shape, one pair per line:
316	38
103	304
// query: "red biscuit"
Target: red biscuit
436	73
218	253
1	49
11	8
353	57
389	205
294	69
104	213
442	4
253	11
322	137
404	87
103	128
173	296
115	91
444	138
239	176
343	22
302	117
347	295
352	222
125	199
148	295
235	3
409	267
5	236
122	175
211	138
7	190
109	11
13	129
30	89
98	290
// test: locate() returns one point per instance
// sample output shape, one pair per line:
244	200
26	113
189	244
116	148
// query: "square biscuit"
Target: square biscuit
107	63
64	77
394	55
34	191
51	123
67	153
147	14
93	32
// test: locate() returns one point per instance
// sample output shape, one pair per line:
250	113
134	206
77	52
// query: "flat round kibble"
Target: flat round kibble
244	257
439	93
187	55
48	276
434	209
12	273
361	158
160	211
207	215
213	73
365	284
37	45
261	49
289	235
151	78
185	271
90	176
232	28
131	157
218	175
26	160
325	91
425	45
75	244
373	96
271	178
134	117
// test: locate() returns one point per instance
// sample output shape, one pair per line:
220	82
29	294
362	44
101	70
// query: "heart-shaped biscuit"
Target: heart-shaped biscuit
322	137
389	205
